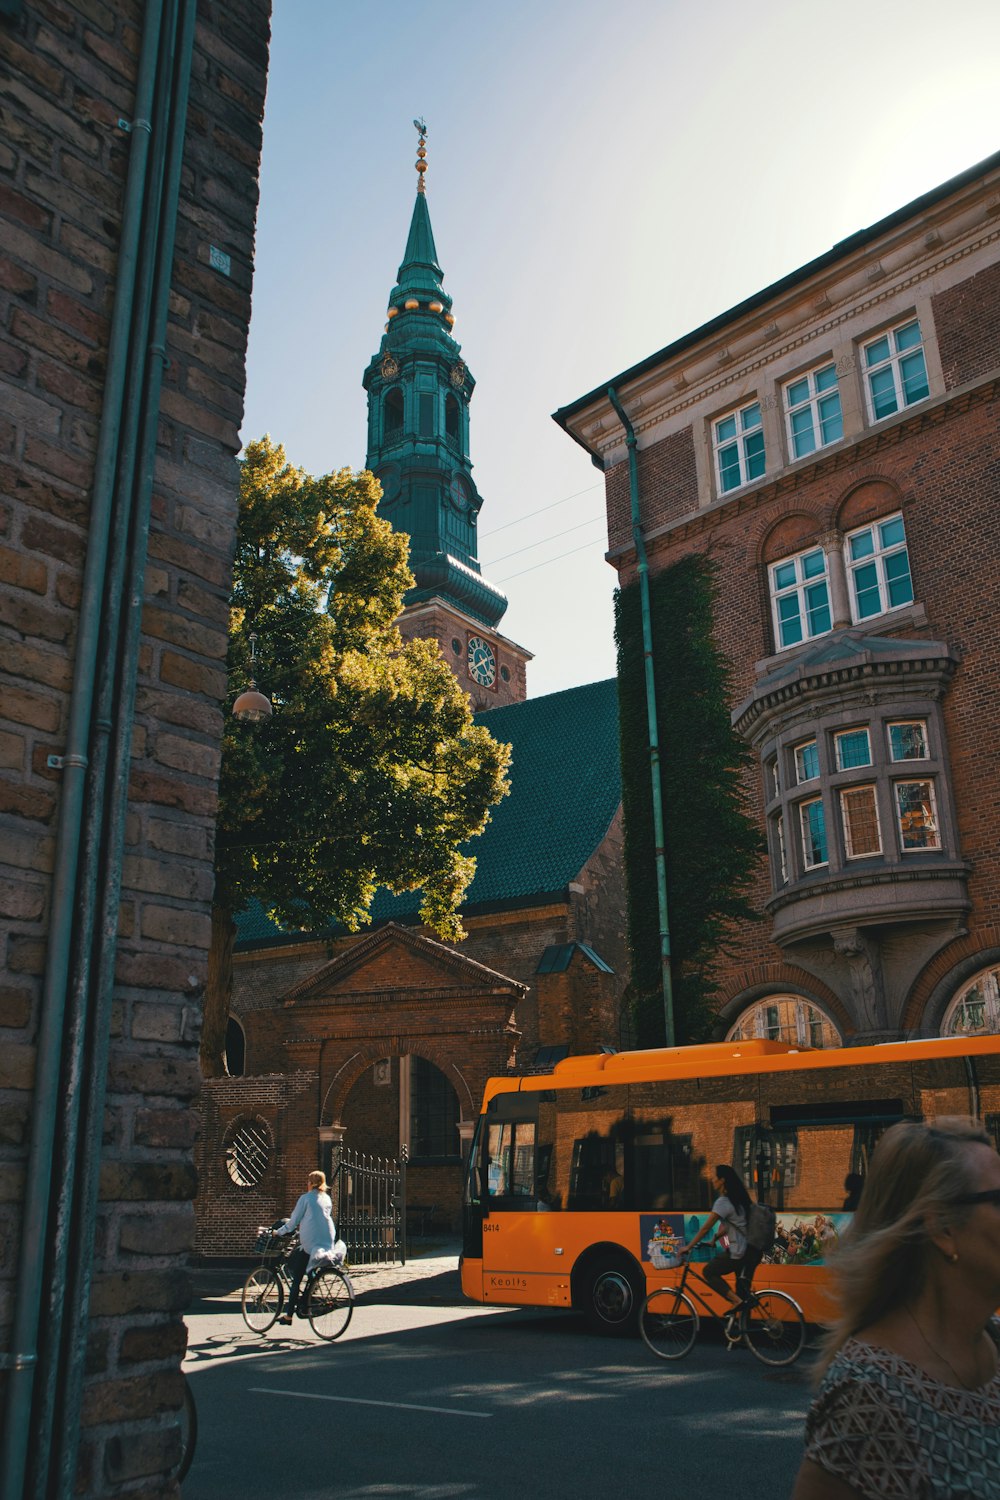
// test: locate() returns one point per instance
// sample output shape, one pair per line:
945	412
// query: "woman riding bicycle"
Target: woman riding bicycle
729	1211
312	1216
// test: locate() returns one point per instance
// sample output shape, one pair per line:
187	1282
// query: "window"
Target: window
425	408
236	1048
860	815
433	1112
451	417
779	830
773	779
247	1151
800	597
879	568
976	1007
916	815
806	761
813	823
908	740
896	370
392	408
786	1018
853	748
739	447
812	411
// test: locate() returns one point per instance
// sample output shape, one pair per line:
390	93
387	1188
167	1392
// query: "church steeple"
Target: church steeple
419	389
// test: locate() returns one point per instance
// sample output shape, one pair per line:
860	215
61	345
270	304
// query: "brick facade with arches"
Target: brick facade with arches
389	997
857	561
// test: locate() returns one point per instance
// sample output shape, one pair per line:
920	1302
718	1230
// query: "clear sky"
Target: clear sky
603	177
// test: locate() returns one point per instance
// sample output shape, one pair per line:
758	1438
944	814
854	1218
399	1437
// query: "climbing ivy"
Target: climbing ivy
712	845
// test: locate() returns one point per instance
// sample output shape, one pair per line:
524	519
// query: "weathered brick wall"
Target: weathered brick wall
68	75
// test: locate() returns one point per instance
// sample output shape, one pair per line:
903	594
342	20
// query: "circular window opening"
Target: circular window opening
247	1152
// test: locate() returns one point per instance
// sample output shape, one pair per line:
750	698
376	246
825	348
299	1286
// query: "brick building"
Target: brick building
129	153
387	1039
831	445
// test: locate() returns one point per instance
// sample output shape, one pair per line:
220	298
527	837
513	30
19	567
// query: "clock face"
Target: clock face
482	662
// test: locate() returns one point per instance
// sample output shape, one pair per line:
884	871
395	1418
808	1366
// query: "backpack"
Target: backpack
762	1223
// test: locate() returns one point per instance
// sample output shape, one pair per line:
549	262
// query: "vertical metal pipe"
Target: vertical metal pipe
38	1180
659	835
179	48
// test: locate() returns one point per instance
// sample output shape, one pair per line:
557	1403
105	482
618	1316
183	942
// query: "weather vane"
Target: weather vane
421	129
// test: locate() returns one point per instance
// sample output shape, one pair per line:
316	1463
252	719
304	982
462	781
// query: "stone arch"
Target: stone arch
930	1019
779	979
355	1066
875	494
795	529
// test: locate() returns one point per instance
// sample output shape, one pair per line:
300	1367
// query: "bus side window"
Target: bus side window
510	1161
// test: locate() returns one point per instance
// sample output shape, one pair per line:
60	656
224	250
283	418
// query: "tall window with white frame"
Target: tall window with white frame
878	564
812	821
895	370
800	597
738	442
812	411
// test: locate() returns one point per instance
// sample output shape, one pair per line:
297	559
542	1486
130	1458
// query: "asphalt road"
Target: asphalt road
427	1397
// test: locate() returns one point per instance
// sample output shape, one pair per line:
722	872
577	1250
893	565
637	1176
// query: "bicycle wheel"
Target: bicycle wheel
330	1304
774	1328
263	1298
669	1323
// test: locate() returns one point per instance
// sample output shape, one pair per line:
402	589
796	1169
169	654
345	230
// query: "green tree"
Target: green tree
713	848
370	771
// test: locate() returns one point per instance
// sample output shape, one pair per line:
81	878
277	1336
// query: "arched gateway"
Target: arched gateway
387	1045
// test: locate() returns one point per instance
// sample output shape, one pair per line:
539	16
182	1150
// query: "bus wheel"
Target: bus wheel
612	1296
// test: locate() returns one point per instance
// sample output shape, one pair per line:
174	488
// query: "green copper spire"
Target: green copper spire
419	389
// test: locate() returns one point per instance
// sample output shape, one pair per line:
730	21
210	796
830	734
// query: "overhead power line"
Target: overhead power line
540	510
542	541
545	564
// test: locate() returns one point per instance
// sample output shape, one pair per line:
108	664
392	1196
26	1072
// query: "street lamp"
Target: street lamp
251	706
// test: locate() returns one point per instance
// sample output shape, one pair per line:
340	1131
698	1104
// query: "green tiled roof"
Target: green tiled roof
565	789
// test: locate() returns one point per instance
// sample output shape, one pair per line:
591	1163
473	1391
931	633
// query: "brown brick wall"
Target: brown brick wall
940	467
68	77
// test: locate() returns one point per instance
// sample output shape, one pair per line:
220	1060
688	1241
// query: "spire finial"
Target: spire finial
421	129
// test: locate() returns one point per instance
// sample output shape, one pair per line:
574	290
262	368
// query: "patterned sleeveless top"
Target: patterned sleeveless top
886	1428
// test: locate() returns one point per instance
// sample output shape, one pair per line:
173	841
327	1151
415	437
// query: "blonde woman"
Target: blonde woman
909	1405
312	1216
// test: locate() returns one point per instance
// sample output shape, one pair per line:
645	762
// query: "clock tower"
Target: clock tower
419	389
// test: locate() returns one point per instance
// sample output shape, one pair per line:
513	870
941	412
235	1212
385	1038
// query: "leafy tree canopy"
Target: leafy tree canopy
371	770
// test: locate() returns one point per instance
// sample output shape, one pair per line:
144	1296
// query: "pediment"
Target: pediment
404	962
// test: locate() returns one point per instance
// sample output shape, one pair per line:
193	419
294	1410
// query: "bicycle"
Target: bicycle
770	1323
326	1294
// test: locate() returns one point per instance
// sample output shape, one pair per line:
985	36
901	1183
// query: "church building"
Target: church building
383	1041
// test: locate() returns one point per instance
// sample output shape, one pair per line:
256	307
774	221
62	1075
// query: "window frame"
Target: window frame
798	589
843	734
739	440
907	760
809	865
892	363
797	750
852	790
898	782
876	558
811	404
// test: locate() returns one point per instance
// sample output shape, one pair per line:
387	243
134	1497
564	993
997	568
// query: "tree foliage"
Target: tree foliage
371	770
712	844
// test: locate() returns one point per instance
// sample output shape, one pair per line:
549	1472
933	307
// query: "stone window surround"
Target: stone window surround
883	773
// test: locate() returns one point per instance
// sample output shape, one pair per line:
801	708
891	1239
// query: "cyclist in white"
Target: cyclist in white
312	1216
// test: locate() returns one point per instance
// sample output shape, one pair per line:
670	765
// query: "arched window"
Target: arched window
975	1010
392	411
452	418
236	1048
786	1018
247	1150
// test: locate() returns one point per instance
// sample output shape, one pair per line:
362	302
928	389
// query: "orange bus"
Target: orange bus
582	1182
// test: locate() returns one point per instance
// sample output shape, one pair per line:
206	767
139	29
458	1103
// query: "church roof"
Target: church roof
565	781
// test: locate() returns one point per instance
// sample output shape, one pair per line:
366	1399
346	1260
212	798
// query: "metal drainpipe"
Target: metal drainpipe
119	681
22	1361
659	837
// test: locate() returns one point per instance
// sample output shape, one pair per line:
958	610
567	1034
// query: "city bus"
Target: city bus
584	1182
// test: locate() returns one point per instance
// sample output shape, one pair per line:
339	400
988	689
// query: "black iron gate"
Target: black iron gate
369	1207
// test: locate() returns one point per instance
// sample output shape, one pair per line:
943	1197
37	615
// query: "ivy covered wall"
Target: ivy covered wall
712	844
